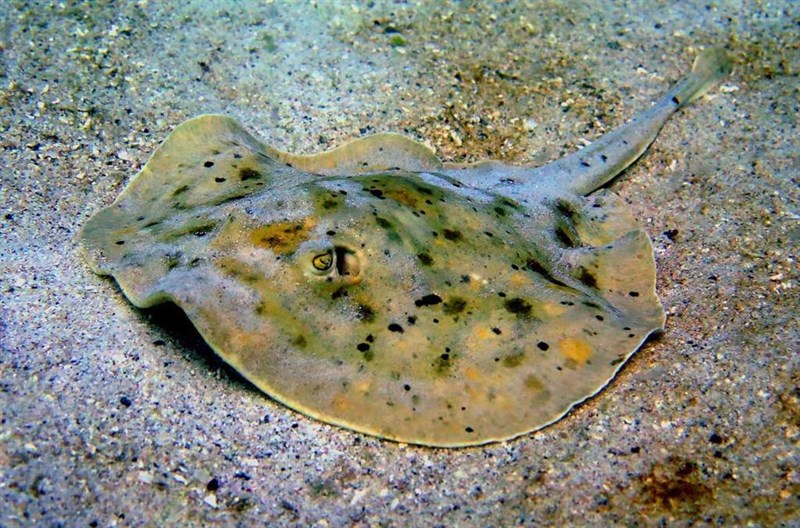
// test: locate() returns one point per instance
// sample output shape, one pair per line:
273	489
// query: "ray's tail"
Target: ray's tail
709	68
590	168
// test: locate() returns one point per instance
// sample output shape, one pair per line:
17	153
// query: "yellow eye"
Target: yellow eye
323	261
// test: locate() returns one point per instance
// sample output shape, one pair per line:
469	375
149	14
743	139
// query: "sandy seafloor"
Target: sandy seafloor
115	416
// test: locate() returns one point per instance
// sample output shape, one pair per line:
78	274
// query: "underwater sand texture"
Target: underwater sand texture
115	416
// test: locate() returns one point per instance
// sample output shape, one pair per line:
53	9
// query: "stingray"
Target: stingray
376	288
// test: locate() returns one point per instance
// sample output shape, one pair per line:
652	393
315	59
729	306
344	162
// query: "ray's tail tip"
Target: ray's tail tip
713	65
710	67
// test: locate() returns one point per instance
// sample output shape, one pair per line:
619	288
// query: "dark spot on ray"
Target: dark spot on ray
616	361
119	242
236	155
631	335
500	211
425	259
536	267
199	230
568	303
469	429
330	232
599	317
412	319
585	163
377	193
428	300
455	305
519	307
365	313
173	260
452	234
208	164
488	233
248	174
543	346
394	327
382	222
442	363
676	101
465	279
362	347
566	208
514	267
633	293
231	198
627	328
340	292
591	304
219	179
501	294
514	360
587	278
138	219
370	338
604	158
564	236
497	331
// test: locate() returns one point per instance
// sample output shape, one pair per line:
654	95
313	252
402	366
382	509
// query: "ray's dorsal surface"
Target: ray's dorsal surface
375	288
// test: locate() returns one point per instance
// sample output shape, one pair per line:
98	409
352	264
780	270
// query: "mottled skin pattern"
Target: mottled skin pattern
374	288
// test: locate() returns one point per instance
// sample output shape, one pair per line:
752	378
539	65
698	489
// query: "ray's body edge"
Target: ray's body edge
578	174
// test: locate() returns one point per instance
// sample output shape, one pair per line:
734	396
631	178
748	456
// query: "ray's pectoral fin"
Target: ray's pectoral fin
624	274
604	217
369	154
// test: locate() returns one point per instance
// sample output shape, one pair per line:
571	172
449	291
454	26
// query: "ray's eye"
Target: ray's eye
323	261
332	263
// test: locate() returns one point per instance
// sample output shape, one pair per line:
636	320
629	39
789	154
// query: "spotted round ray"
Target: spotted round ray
375	288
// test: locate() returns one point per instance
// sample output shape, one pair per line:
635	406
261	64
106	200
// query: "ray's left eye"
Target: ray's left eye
332	263
323	261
